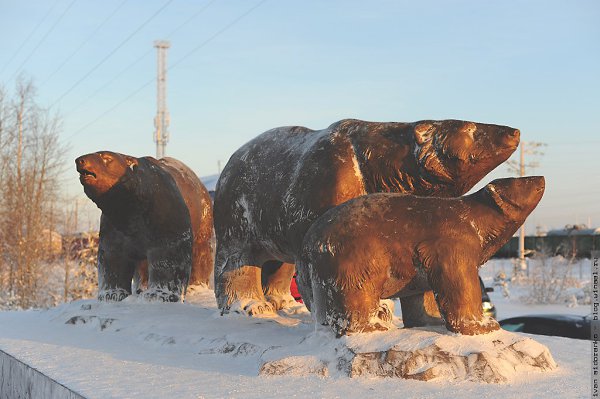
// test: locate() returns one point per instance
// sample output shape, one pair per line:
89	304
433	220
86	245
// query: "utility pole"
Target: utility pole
162	119
530	148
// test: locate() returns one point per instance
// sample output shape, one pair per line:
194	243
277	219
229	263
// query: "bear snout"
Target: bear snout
80	161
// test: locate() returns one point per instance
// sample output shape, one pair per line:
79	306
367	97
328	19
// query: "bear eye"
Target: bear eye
472	158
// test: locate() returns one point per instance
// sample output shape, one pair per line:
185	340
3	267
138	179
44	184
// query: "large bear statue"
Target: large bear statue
392	245
156	223
276	185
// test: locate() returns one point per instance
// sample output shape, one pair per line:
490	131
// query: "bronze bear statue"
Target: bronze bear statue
391	245
276	185
156	224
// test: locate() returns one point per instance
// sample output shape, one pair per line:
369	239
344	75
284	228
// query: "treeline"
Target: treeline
33	216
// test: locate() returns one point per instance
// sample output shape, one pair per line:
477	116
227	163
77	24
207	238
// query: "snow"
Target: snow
514	306
139	349
18	378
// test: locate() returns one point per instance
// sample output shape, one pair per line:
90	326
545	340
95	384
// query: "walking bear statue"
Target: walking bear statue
156	223
276	185
391	245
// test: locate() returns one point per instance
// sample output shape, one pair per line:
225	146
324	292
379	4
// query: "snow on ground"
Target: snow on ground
579	271
136	349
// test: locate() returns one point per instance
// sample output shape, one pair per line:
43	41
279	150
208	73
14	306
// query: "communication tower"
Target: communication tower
162	119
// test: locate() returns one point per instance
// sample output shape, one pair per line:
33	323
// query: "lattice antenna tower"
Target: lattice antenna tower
162	119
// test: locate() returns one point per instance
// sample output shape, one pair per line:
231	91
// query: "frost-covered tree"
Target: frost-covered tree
31	158
81	272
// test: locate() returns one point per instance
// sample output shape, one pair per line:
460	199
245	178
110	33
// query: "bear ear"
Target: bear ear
423	132
132	162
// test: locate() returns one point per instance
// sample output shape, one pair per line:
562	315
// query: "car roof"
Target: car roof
554	317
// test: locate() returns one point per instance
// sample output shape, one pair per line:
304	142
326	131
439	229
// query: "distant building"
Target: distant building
571	241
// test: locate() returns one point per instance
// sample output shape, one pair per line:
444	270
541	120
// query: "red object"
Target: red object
294	290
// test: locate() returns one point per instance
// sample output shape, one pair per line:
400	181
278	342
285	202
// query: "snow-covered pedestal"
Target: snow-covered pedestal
495	357
421	355
154	350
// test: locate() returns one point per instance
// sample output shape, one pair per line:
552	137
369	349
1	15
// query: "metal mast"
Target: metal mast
162	119
527	147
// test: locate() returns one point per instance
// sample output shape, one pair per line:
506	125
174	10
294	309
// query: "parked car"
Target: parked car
560	325
488	307
486	303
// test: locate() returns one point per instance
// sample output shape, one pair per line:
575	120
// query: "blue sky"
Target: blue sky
533	65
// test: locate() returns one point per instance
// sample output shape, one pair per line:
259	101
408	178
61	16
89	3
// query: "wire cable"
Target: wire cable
110	54
43	39
136	61
204	43
16	53
139	89
83	43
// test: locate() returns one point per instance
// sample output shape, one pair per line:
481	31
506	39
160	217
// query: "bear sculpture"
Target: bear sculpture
391	245
276	185
156	223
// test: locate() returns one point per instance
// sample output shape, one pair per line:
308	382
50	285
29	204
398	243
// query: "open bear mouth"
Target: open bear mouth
86	173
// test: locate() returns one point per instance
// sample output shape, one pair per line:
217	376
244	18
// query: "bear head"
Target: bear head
101	171
516	197
460	153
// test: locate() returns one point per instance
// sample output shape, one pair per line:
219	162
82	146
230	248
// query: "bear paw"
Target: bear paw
279	302
342	326
159	295
251	307
385	312
473	327
376	325
112	295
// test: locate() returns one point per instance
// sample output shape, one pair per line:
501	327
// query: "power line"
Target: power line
70	89
43	39
108	111
29	36
574	197
137	60
139	89
217	34
190	19
83	43
575	143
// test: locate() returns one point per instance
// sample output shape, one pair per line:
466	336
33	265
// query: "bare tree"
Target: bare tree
31	159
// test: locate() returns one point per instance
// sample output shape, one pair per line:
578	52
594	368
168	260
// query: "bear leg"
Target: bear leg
358	311
140	277
453	275
238	286
276	278
202	263
349	310
169	268
115	269
420	310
